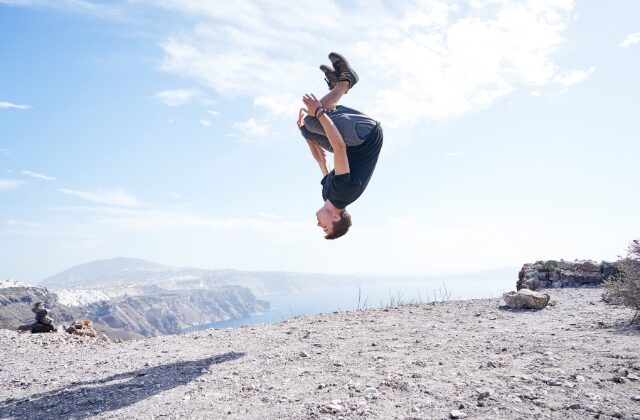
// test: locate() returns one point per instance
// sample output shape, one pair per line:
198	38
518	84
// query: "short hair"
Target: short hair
341	227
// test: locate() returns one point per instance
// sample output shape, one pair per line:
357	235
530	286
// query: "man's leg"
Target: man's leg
331	99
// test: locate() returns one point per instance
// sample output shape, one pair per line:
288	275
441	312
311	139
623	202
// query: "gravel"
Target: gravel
471	359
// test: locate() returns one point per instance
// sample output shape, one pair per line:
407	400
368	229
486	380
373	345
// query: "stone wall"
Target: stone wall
547	274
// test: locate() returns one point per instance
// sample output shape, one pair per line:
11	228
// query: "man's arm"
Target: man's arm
316	151
340	161
319	156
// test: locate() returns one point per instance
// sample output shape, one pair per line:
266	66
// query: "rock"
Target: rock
484	393
332	409
636	398
457	414
633	377
526	299
304	354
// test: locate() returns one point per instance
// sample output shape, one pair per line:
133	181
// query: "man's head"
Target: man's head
334	222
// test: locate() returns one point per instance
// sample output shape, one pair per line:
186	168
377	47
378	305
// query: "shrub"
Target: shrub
626	289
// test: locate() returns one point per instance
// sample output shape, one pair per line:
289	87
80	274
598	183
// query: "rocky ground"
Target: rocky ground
576	359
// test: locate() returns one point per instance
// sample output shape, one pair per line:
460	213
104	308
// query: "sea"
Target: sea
376	293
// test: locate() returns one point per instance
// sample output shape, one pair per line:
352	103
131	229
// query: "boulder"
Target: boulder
526	299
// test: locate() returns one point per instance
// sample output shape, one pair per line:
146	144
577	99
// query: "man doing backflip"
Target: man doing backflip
354	139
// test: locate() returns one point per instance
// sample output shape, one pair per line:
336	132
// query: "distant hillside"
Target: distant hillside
123	272
118	272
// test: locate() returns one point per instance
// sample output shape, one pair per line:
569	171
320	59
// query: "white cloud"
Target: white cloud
630	39
445	62
163	219
280	104
39	176
449	154
205	123
115	197
9	105
9	184
5	152
215	114
572	77
177	97
252	128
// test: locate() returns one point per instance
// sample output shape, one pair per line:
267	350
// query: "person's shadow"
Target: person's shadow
89	398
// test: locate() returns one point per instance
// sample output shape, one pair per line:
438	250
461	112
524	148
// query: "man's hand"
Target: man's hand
312	103
301	117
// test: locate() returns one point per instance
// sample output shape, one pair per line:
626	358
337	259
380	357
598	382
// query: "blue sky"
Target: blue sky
165	130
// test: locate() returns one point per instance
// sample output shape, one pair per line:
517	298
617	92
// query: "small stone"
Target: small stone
633	377
457	414
484	393
332	409
574	406
304	354
636	398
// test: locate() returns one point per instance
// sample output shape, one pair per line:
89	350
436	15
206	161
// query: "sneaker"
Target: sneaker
343	70
329	76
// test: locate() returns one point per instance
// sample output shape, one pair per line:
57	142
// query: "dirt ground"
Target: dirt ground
578	358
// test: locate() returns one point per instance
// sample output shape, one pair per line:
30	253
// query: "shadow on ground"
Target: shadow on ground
89	398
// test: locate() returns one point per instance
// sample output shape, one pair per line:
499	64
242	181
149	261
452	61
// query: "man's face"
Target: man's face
326	219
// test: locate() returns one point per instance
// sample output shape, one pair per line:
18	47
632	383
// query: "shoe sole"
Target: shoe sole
329	76
341	57
328	70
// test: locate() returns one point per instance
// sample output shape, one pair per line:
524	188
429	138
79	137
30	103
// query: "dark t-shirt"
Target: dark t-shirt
342	190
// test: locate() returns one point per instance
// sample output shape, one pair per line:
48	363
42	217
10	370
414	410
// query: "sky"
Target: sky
165	130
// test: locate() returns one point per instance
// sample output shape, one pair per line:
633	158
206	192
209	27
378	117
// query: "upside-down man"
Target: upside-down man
354	139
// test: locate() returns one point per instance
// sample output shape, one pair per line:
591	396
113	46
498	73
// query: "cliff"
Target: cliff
152	312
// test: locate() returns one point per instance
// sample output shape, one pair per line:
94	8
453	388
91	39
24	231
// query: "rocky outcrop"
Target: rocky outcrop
152	312
526	299
556	274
